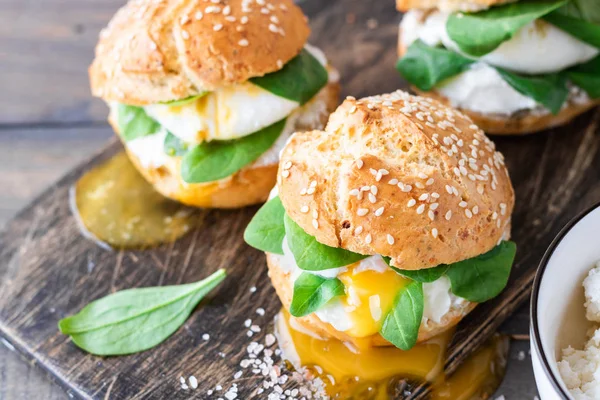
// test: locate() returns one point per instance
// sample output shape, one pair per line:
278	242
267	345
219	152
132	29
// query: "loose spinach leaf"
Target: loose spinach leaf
425	66
401	325
479	33
134	123
311	255
583	30
186	100
217	159
266	229
174	146
587	77
299	80
421	275
313	291
549	90
586	10
481	278
134	320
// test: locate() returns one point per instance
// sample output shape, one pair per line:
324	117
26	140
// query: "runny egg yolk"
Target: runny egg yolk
369	297
373	373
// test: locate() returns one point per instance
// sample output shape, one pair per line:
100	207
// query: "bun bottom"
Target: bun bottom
522	123
284	287
249	186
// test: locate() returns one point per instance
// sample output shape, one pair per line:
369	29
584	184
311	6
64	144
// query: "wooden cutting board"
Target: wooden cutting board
48	270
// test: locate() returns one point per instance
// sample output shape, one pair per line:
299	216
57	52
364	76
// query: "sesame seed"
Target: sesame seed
273	28
372	198
237	375
448	189
390	239
315	214
433	206
285	173
379	211
217	27
462	204
304	209
495	215
434	233
423	197
315	224
313	184
353	192
185	35
468	213
243	42
431	215
475	210
310	190
419	185
198	15
448	215
244	20
358	230
368	239
393	181
193	382
411	203
287	165
359	163
353	110
362	212
420	209
226	10
435	195
422	175
374	189
429	181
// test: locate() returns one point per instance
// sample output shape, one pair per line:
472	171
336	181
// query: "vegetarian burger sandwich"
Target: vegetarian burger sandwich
513	67
390	225
204	94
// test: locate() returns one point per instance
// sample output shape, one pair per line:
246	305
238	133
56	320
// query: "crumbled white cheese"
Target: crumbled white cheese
580	369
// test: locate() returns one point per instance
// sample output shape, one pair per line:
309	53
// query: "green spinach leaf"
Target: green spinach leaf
583	30
299	80
266	230
174	146
401	325
134	123
313	291
311	255
421	275
134	320
481	278
586	10
218	159
587	77
479	33
549	90
425	66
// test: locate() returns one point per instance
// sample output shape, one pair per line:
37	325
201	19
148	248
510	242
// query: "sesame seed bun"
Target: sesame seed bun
401	176
155	51
251	185
284	286
449	5
521	123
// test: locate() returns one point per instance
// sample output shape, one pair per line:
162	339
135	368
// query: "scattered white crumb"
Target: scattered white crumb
247	323
501	397
580	369
253	289
521	356
193	382
270	339
255	328
205	337
238	375
260	311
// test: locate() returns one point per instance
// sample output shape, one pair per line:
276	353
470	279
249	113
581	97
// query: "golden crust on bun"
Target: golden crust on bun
157	51
449	5
401	176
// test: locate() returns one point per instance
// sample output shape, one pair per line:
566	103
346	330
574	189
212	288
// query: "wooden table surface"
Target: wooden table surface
49	123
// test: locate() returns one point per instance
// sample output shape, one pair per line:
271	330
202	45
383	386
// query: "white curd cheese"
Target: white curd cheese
482	89
149	149
537	48
580	369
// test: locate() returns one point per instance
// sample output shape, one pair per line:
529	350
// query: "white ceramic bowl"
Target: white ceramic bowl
557	310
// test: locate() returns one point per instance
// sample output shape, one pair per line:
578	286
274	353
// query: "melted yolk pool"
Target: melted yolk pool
381	373
369	296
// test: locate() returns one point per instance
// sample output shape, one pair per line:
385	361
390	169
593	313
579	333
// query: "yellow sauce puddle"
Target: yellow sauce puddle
116	207
381	373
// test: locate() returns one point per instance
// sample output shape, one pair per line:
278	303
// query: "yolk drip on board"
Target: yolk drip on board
359	370
117	207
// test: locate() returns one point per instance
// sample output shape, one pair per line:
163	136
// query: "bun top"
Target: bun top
449	5
160	50
401	176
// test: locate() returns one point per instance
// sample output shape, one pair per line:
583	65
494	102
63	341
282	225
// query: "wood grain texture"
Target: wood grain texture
48	270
